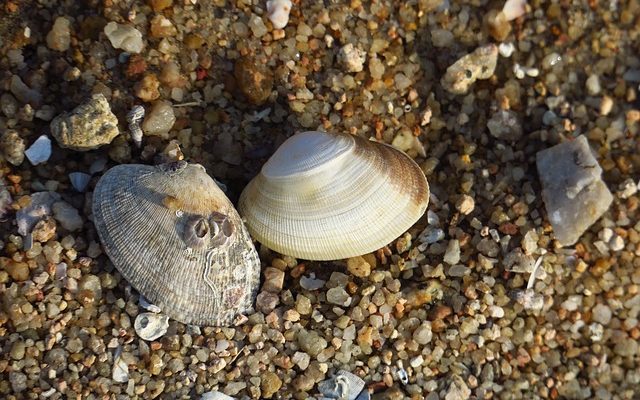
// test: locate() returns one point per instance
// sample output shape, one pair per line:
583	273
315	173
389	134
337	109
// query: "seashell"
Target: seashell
144	303
177	239
120	371
215	395
325	197
134	118
79	180
150	326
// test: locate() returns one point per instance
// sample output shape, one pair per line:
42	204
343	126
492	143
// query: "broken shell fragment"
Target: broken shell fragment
150	326
177	239
326	197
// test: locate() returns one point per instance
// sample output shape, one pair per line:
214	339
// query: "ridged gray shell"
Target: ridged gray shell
178	240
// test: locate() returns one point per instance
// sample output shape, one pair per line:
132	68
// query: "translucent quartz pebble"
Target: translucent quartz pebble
572	189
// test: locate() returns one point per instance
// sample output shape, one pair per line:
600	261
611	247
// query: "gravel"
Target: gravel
487	296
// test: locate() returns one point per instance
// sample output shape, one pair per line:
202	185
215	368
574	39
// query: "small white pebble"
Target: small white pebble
40	150
617	243
506	49
514	8
278	12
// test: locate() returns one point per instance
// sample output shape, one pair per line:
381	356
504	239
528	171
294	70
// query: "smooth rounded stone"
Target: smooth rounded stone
442	37
270	384
18	350
257	26
17	270
601	313
254	78
572	188
24	93
593	85
504	125
124	37
8	105
59	37
513	9
303	305
338	296
40	151
359	267
159	120
159	5
273	280
56	358
352	58
480	64
278	12
91	283
67	216
301	359
87	127
12	147
150	326
423	334
147	89
18	381
452	254
311	342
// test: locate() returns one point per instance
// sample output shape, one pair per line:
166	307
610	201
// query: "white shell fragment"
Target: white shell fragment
572	188
40	151
150	326
514	8
124	37
278	12
79	180
344	385
327	197
215	395
134	118
144	303
120	372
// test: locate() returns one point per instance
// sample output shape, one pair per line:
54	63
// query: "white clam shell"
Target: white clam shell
326	197
150	326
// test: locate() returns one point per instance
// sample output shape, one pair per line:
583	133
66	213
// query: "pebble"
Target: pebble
40	151
452	254
18	381
504	125
423	334
506	49
18	271
359	267
159	120
627	347
12	146
24	93
273	280
257	26
601	314
44	230
67	216
59	37
352	58
311	283
465	204
87	127
571	185
278	12
338	296
311	342
147	89
301	359
480	64
270	384
254	78
266	302
593	85
38	208
124	37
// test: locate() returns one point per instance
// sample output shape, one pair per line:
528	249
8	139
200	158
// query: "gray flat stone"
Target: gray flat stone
572	189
